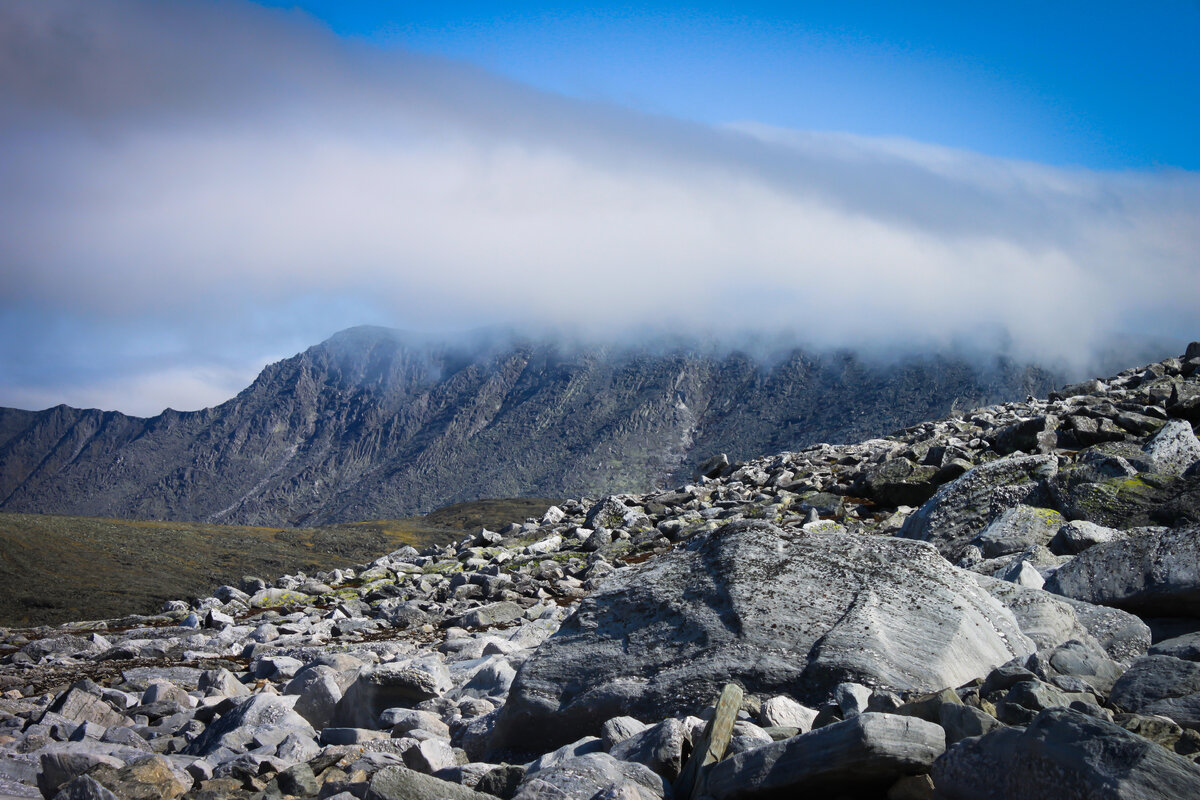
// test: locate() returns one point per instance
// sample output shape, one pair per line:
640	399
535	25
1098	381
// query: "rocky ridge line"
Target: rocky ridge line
998	604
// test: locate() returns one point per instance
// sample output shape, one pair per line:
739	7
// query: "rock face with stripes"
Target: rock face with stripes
775	610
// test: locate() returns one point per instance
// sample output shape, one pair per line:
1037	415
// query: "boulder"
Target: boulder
1118	501
391	685
1173	449
1186	647
900	481
659	747
401	783
251	715
1155	678
784	712
1151	574
1078	535
590	775
868	752
1017	528
780	611
964	507
1063	754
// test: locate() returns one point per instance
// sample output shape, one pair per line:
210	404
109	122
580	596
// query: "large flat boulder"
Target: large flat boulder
1063	754
963	508
1149	573
778	611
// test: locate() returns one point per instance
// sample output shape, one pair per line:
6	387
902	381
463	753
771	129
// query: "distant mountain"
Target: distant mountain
373	424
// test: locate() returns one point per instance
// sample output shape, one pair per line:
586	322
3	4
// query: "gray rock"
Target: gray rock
961	721
1063	754
431	755
589	775
784	712
868	752
391	685
402	783
1148	573
1154	678
318	693
502	781
964	507
403	720
84	787
80	706
491	615
258	712
1173	449
618	729
1017	528
585	746
1078	535
776	610
1186	647
1026	698
659	747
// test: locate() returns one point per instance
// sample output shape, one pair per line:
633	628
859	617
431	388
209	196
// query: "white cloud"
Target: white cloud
265	161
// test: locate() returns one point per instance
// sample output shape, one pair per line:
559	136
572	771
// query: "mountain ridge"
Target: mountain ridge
375	423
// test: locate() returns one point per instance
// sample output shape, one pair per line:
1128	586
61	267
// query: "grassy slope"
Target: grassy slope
57	568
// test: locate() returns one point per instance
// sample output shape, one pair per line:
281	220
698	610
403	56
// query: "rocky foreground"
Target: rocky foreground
1001	604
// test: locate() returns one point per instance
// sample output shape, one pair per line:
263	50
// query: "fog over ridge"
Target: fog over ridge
226	165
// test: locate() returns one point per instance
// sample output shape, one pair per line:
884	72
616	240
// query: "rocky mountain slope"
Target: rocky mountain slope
1001	604
372	425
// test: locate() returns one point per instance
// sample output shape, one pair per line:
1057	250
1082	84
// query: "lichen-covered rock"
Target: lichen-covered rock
963	508
868	752
778	611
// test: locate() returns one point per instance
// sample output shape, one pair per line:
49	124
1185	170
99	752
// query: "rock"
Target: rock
319	692
1186	647
430	756
403	720
750	602
84	787
257	712
147	778
491	615
61	763
618	729
1154	678
1037	435
961	509
1050	620
1078	535
901	482
1173	449
397	683
589	775
81	706
962	721
783	711
1151	574
1025	699
868	752
1121	501
1017	528
659	747
1063	753
502	781
402	783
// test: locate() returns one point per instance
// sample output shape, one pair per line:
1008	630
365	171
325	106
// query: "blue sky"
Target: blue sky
192	189
1107	85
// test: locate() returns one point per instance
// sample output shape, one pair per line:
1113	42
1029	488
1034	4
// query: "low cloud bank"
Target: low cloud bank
200	171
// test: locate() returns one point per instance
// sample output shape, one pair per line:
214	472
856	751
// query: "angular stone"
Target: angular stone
1078	535
963	508
962	721
1152	574
777	610
659	747
783	711
618	729
391	685
1173	449
260	711
402	783
1018	528
491	615
1186	647
1064	753
1154	678
589	775
868	752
